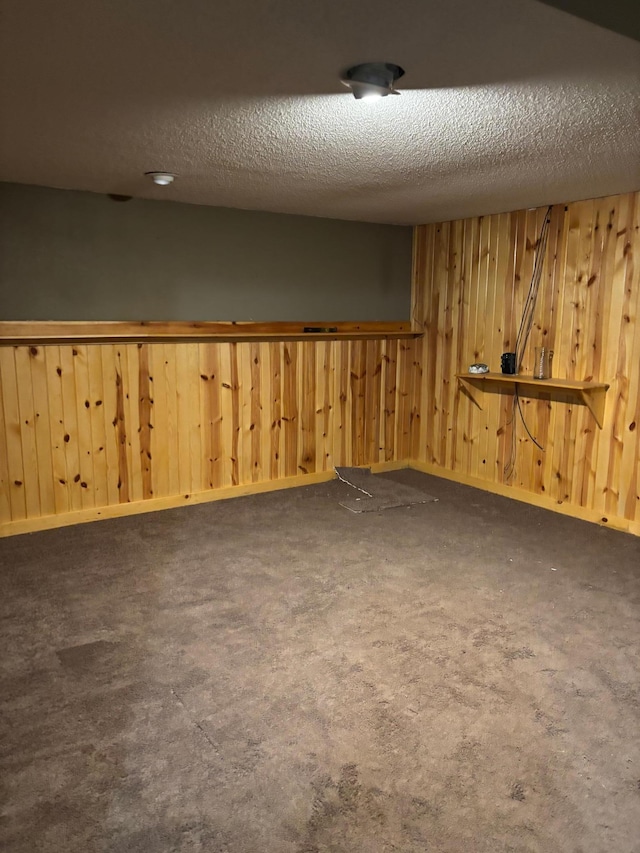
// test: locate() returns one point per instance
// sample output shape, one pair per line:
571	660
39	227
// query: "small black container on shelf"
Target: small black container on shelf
508	362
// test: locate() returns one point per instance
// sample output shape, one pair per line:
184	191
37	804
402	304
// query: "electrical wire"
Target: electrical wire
522	338
526	323
509	468
524	423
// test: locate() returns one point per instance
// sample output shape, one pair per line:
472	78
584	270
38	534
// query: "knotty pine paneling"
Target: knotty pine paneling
86	426
471	278
107	428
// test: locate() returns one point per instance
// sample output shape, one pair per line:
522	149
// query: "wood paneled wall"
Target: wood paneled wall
94	430
471	278
104	429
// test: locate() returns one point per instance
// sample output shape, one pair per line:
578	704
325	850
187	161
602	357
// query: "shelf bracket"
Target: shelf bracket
593	398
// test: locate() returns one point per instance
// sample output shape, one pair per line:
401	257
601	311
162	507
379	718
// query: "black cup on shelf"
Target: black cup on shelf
508	362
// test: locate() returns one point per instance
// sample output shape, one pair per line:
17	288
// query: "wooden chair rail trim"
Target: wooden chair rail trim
58	332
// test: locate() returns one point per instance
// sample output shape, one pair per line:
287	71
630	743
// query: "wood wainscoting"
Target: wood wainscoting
90	431
96	429
471	278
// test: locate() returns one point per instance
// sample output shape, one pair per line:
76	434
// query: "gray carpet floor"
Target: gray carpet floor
276	674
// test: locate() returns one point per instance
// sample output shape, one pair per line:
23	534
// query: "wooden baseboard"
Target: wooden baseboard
48	522
524	496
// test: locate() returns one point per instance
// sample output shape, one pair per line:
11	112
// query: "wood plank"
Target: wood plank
527	451
506	429
307	458
235	415
487	435
390	398
244	408
403	406
255	410
145	418
276	462
130	355
455	285
213	475
226	420
121	426
629	500
358	381
584	482
342	444
621	328
371	437
290	409
5	477
42	429
473	354
173	405
266	437
56	429
98	427
13	433
424	236
112	426
460	319
159	435
544	331
324	409
441	354
84	435
70	423
417	390
215	390
183	420
195	441
27	431
580	463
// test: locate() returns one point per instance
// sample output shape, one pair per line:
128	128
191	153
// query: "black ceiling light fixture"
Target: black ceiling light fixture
371	81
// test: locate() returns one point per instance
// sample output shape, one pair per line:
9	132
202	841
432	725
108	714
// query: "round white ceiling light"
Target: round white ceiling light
371	81
162	179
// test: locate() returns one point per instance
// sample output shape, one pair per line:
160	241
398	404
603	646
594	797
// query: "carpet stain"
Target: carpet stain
86	655
517	792
343	807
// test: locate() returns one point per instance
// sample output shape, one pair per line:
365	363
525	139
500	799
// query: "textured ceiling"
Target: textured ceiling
505	104
621	16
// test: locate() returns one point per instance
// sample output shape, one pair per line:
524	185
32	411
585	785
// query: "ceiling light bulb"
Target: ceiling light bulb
371	96
162	179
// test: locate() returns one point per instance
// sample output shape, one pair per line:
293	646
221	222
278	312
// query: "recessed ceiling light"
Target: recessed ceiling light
371	81
162	179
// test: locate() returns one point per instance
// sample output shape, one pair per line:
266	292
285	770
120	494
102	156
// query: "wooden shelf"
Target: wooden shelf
54	332
592	394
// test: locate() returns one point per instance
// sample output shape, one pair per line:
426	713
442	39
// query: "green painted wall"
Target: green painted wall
67	255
